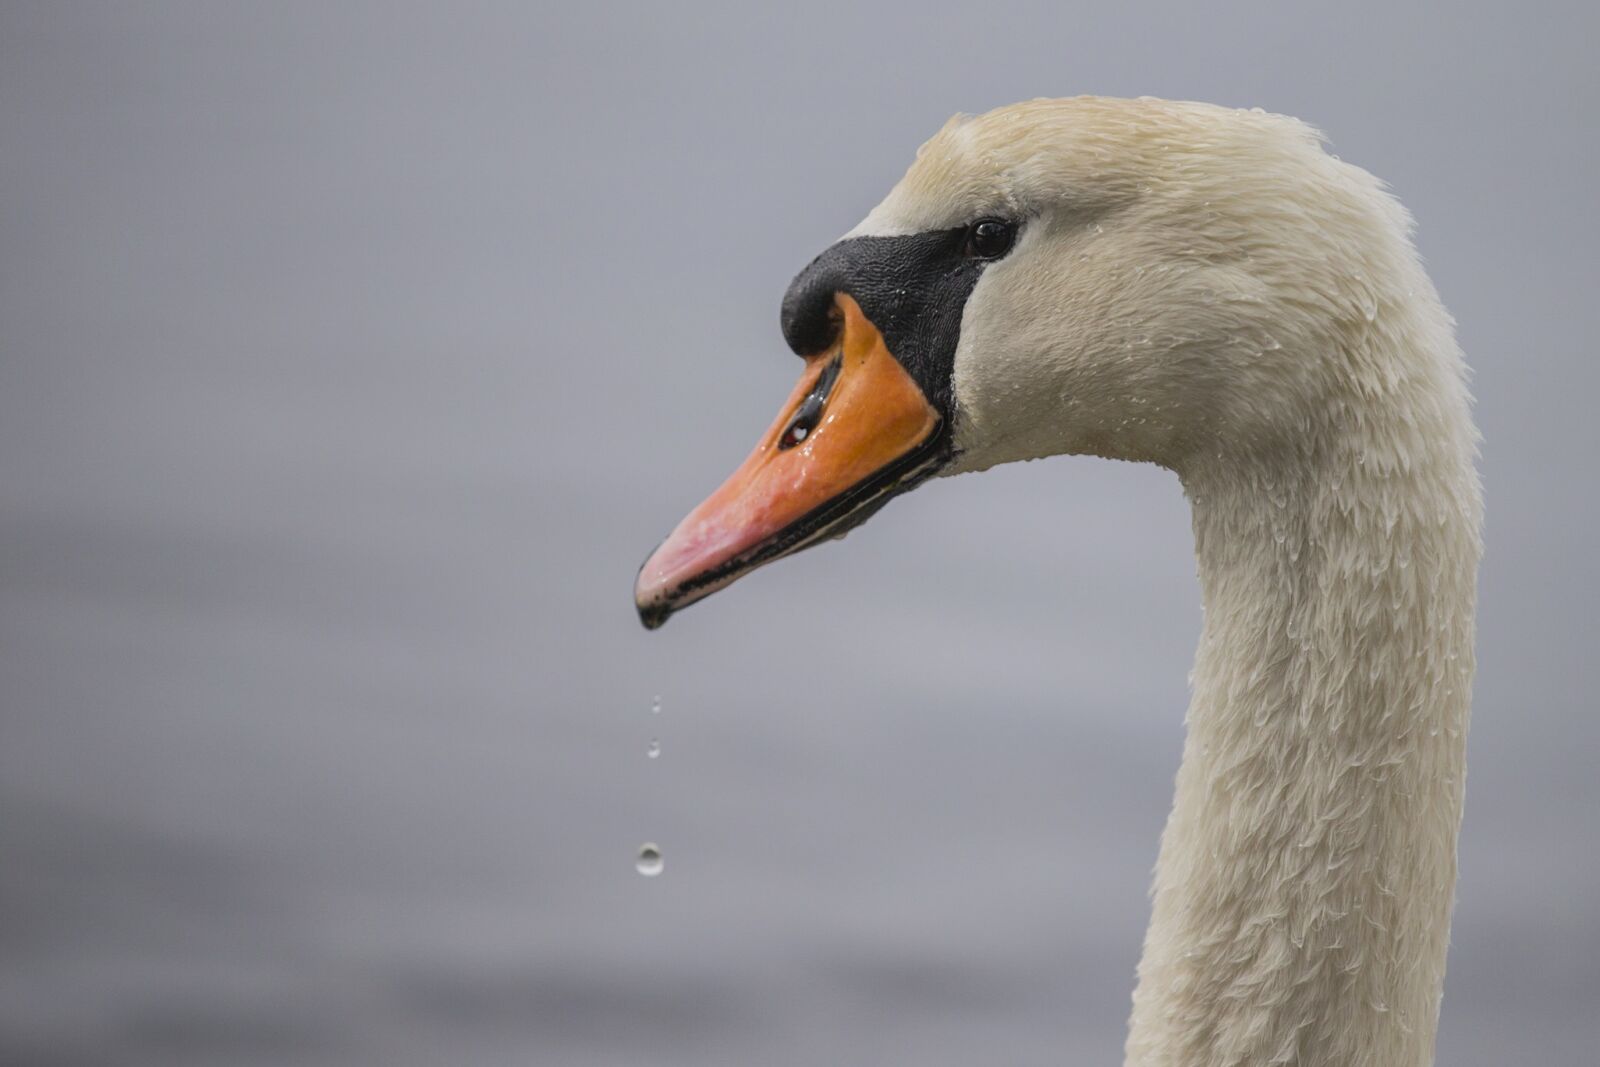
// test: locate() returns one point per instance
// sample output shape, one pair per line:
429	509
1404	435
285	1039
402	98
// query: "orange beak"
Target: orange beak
856	431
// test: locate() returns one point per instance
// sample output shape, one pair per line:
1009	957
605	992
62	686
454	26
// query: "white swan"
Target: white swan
1205	289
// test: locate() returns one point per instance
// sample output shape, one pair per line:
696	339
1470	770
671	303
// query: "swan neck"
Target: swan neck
1302	897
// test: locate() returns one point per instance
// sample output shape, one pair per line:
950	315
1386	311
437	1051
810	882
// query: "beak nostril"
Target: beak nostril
809	413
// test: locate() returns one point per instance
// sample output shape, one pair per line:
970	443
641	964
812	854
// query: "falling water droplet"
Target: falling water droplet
655	705
649	862
653	749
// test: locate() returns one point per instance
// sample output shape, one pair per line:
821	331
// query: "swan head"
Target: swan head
1136	279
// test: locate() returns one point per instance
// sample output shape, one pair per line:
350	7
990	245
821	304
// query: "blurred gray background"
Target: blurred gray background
352	357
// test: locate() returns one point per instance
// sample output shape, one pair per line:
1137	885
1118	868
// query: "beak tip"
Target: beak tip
649	599
653	616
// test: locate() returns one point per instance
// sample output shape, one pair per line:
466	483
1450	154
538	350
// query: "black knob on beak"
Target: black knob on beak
810	320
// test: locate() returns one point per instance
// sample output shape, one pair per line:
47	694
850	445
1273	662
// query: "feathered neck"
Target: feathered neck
1302	898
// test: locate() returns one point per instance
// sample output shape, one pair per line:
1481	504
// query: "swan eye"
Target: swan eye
990	238
809	413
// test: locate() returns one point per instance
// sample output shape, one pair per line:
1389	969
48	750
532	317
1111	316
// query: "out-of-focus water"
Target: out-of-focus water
350	362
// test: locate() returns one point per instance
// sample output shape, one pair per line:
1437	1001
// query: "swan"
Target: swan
1209	290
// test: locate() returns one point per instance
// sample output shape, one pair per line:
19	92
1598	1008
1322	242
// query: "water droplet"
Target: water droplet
649	862
655	705
653	749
